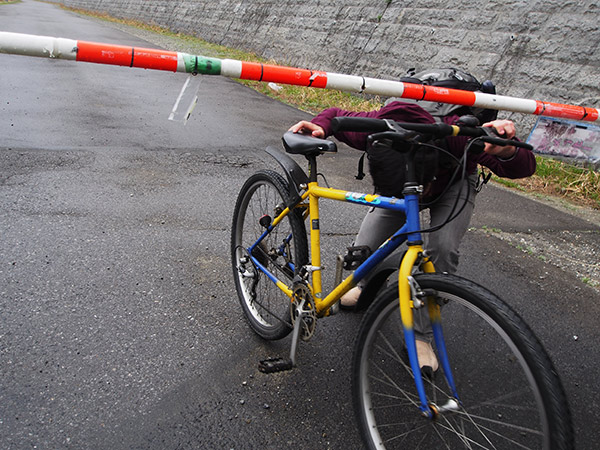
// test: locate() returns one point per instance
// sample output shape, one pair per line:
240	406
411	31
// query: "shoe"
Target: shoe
350	298
427	359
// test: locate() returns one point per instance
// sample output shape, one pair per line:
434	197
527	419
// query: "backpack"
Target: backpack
454	79
386	165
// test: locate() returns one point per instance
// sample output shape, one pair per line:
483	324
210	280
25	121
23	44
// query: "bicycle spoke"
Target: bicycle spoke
472	418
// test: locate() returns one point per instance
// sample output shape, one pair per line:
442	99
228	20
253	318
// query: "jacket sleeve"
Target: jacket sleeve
355	140
521	165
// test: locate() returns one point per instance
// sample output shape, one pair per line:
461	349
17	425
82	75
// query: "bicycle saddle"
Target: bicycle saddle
303	144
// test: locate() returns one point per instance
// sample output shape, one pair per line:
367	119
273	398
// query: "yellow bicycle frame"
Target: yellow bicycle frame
313	193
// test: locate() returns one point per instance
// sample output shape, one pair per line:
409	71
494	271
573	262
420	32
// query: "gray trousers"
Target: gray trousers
442	245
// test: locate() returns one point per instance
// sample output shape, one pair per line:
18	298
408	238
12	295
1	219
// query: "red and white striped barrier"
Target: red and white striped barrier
94	52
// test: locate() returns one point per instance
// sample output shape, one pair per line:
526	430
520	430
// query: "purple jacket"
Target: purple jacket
519	166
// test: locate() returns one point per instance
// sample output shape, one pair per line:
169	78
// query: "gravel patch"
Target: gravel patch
574	251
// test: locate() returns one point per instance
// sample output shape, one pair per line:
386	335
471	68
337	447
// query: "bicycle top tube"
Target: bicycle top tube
410	231
409	205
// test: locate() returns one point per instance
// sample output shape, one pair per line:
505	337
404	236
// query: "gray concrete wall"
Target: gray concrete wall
540	49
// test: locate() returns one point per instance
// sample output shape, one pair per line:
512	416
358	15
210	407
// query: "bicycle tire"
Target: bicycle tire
265	306
510	393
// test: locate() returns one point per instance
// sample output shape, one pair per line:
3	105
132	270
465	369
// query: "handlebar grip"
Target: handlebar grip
437	130
359	124
524	145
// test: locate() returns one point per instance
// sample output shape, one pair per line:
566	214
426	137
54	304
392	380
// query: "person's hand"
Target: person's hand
306	127
506	129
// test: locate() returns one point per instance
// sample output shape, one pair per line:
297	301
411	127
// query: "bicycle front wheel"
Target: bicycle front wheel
282	252
509	393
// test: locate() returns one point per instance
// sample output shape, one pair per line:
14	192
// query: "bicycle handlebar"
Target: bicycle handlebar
359	124
400	130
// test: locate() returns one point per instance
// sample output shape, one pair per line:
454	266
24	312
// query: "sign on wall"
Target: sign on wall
566	138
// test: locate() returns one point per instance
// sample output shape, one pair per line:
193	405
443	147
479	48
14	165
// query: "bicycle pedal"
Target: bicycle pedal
272	365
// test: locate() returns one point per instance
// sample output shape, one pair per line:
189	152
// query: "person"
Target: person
443	244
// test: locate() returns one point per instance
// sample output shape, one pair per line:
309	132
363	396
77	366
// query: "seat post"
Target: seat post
312	168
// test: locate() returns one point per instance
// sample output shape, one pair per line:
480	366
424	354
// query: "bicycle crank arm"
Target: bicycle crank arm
272	365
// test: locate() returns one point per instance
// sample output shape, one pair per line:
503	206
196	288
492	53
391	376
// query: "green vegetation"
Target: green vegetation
575	184
491	230
579	185
525	249
313	100
589	281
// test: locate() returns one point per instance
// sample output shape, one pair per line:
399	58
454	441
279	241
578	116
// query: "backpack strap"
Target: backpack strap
482	179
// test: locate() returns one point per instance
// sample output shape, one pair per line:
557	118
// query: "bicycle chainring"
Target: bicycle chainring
303	297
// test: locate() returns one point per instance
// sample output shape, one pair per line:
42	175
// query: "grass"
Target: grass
578	185
314	100
575	184
491	230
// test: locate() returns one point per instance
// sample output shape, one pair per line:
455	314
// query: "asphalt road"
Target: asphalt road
120	326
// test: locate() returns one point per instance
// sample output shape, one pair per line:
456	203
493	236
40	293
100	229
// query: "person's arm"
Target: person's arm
507	161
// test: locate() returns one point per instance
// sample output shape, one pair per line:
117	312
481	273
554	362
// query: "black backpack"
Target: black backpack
454	79
386	165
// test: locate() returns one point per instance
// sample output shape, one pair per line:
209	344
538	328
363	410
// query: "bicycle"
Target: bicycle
499	387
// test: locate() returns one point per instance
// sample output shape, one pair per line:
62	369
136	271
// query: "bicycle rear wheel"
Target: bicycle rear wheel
510	395
283	252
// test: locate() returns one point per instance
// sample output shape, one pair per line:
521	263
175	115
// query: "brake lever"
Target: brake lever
398	135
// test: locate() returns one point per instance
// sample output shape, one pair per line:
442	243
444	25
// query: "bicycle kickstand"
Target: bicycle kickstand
277	364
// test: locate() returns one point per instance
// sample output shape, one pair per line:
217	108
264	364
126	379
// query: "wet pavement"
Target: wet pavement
120	326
